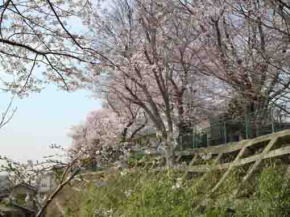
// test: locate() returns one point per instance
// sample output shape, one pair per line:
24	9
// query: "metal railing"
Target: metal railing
226	130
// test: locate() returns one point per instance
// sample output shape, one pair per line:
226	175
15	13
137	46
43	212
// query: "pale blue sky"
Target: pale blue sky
42	119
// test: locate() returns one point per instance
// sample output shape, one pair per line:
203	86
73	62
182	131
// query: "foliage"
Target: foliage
162	194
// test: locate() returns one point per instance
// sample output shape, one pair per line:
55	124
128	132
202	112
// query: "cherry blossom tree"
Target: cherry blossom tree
168	63
134	118
98	139
245	49
153	52
44	41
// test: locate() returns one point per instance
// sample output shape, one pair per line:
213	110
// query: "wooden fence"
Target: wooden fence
229	156
226	158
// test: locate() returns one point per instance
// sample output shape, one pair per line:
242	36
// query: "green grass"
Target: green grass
149	194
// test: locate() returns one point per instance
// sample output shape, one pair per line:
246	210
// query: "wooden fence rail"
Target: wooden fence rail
229	156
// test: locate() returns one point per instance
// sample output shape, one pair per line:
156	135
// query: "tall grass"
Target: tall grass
165	194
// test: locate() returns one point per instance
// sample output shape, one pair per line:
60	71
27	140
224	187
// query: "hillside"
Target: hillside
249	178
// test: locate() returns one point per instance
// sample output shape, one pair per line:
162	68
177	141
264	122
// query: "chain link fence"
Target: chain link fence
224	130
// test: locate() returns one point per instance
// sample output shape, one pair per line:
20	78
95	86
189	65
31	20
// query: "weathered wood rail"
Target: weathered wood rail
229	156
243	152
251	152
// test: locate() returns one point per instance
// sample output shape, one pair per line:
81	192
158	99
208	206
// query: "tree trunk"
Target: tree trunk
169	151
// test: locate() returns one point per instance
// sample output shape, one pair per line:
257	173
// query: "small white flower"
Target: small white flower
123	172
128	193
178	184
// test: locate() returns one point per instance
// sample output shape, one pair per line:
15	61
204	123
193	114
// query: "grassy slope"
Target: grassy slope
148	194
